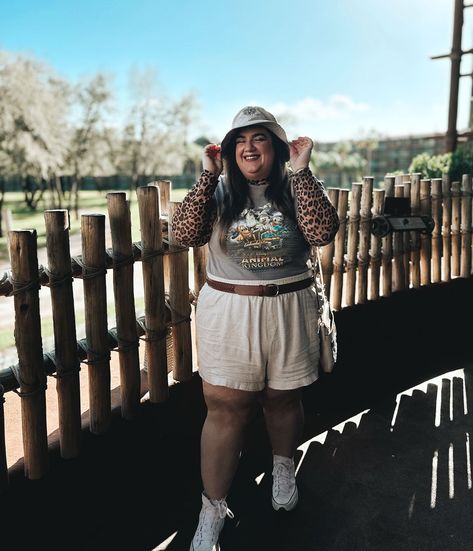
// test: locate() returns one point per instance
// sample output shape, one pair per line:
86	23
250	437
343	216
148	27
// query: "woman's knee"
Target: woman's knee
229	405
280	400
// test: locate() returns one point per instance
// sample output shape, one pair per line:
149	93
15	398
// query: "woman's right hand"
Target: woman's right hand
212	159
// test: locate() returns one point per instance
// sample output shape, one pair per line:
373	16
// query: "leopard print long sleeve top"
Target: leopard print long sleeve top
194	218
317	218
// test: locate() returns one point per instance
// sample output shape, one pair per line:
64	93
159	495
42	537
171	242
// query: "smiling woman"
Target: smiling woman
256	316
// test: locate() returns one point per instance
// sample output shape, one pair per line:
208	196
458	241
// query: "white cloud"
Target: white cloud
310	110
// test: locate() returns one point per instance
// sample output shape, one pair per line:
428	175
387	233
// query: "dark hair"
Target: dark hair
237	189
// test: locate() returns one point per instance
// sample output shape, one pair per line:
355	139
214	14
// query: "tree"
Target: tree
461	162
88	139
33	123
431	166
155	136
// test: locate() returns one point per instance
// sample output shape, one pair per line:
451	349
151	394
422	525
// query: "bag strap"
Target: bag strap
322	300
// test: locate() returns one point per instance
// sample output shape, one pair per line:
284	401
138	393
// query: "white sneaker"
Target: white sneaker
285	494
211	519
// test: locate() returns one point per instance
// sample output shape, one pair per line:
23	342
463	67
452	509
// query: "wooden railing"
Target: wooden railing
358	267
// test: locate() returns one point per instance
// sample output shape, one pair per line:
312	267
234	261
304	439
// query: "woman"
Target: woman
256	315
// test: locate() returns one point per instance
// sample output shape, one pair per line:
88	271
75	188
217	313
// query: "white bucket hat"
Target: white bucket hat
253	115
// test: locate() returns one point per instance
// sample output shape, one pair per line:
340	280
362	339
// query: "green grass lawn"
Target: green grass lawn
90	202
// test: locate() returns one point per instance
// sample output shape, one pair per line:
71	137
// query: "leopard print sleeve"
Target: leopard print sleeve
316	216
193	220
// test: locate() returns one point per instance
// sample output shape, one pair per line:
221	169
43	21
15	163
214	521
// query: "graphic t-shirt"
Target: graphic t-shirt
262	244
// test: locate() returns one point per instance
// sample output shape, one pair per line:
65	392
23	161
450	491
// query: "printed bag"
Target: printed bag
326	321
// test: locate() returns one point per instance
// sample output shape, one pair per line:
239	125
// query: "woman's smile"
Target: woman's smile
254	152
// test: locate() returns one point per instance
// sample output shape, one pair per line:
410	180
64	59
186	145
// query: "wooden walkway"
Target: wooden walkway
395	477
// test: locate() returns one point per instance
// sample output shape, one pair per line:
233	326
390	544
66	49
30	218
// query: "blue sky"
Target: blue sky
335	69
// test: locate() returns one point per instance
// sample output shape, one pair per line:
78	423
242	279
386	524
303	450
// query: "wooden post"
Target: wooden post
3	450
446	223
364	243
455	62
200	255
65	338
339	254
165	189
387	244
96	328
123	289
155	301
466	229
375	262
415	236
399	278
180	305
436	233
326	252
406	241
455	228
32	378
425	239
353	236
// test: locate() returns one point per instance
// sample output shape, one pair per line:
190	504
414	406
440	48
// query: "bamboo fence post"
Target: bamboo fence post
406	241
339	247
446	223
387	244
364	239
326	252
436	233
399	278
200	255
165	188
96	326
425	239
154	292
180	306
375	262
455	228
415	236
123	289
3	449
465	270
65	338
352	245
31	375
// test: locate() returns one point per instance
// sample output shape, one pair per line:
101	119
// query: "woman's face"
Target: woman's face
254	152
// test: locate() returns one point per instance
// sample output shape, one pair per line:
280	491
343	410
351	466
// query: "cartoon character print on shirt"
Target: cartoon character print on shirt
261	239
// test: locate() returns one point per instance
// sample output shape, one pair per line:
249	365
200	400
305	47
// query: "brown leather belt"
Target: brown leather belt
269	290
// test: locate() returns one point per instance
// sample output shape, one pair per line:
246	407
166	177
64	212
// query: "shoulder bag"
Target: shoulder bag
326	322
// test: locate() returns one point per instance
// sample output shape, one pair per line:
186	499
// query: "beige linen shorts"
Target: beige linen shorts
250	342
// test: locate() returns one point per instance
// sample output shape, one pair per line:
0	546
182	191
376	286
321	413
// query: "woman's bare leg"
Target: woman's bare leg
284	416
228	413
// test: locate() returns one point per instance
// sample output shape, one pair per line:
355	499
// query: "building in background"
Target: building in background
380	156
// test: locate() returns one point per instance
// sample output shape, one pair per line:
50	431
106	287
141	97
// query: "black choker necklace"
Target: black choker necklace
262	182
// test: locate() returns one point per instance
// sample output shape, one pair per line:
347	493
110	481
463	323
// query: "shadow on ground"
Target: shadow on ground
398	480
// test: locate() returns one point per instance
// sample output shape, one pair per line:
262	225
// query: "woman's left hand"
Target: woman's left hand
300	150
